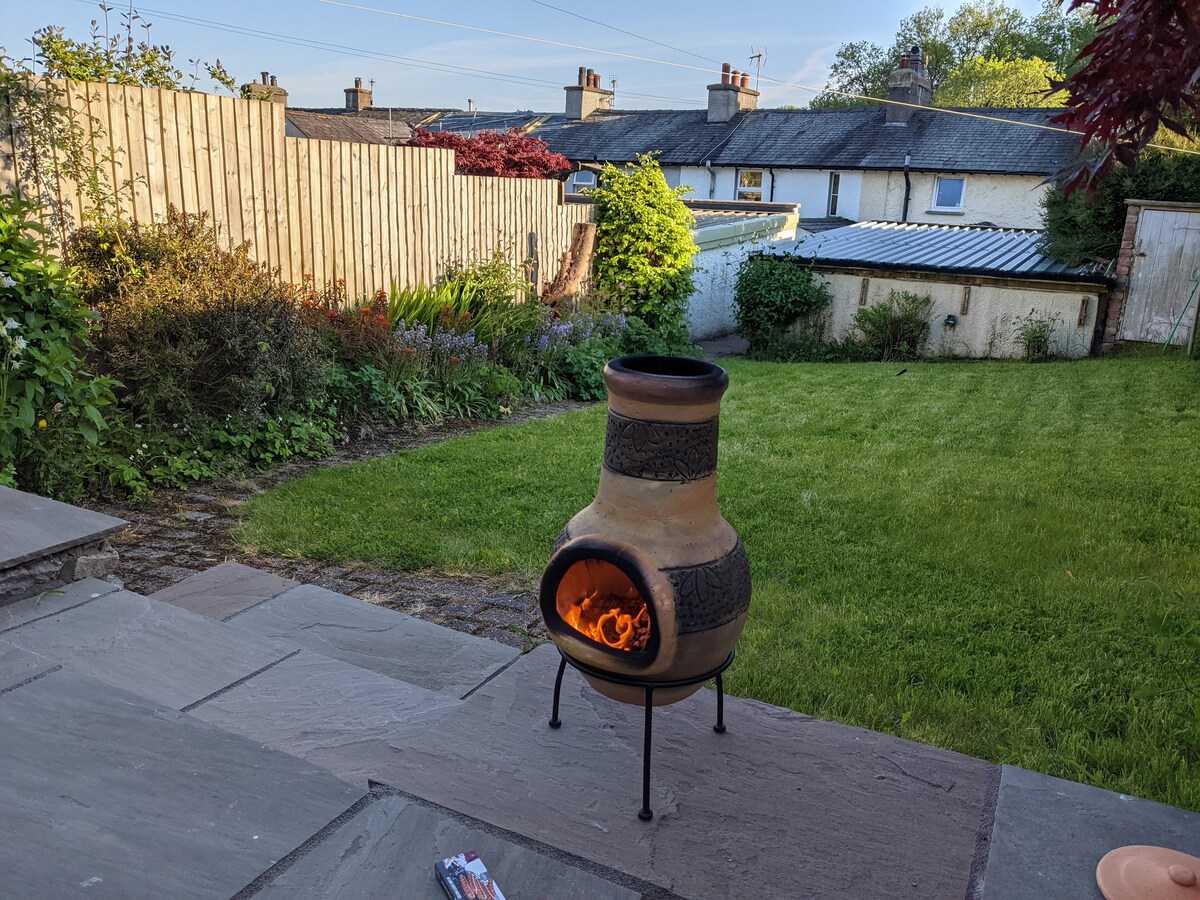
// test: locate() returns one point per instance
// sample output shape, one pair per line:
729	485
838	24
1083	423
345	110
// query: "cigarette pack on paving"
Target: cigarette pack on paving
465	877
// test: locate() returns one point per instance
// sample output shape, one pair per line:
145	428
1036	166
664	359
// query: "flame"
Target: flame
620	621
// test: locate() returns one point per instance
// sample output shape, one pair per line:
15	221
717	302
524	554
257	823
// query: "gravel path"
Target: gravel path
179	533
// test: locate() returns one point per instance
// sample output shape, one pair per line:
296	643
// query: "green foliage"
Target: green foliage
896	329
644	245
1034	334
1017	49
988	81
195	330
50	405
1082	228
772	295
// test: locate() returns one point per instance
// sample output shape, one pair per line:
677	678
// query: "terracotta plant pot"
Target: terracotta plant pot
649	582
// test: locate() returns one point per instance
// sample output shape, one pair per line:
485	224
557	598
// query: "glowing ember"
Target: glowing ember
620	621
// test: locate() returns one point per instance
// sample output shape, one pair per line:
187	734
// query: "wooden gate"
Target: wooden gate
1163	273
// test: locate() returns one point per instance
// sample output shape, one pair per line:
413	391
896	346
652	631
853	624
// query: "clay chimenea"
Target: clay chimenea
647	588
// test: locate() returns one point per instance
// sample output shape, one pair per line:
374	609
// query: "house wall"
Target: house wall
985	330
1012	201
711	311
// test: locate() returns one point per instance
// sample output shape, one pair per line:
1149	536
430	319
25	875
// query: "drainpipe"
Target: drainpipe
771	195
907	187
712	179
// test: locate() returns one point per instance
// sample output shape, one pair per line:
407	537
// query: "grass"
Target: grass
978	556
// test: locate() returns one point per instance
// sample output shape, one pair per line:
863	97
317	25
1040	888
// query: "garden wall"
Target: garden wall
986	309
368	213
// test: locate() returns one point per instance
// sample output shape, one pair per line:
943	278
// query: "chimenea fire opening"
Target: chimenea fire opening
647	588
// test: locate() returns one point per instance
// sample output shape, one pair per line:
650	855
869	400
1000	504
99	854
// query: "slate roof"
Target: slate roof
802	138
319	126
956	249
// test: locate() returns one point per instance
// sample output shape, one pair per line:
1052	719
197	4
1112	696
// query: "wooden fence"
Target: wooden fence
368	213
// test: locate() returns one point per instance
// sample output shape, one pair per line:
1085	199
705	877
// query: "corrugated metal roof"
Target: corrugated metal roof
959	249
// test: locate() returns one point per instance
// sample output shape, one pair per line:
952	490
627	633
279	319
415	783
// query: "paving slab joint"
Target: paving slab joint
229	687
30	680
504	668
983	837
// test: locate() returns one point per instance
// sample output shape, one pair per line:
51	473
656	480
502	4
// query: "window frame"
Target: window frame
739	188
575	180
834	193
962	194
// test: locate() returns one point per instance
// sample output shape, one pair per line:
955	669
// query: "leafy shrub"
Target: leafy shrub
896	329
644	244
193	329
51	407
772	295
1034	334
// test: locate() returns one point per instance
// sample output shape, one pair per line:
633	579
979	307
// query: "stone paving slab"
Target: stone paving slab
151	649
223	590
105	794
388	850
783	805
333	714
17	665
53	602
376	638
33	526
1049	835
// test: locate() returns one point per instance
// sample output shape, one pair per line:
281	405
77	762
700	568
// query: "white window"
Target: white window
948	193
750	184
583	179
835	186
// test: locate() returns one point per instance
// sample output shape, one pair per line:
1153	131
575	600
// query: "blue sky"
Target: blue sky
800	38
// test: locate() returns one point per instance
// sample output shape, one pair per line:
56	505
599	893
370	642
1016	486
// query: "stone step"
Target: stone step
107	794
338	716
52	602
151	649
389	847
224	590
44	544
377	638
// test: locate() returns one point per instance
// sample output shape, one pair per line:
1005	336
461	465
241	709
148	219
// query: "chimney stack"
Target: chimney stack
908	84
731	95
586	97
266	89
358	98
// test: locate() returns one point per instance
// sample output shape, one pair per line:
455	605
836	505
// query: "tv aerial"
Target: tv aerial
758	56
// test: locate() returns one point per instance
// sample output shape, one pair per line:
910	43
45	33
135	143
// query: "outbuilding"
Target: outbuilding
983	282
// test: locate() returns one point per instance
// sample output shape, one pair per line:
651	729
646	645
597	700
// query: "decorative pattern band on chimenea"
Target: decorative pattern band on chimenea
647	588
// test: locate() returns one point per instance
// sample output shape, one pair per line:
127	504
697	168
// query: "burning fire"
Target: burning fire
617	620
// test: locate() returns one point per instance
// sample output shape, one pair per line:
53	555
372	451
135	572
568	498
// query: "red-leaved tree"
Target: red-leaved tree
511	154
1141	75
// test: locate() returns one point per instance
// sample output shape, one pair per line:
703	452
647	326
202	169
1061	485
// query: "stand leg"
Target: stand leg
555	722
645	813
719	728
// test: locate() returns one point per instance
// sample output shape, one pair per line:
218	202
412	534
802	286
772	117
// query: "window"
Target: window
750	184
835	184
583	179
948	194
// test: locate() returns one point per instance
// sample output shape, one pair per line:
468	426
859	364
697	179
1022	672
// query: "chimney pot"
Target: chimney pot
264	77
724	73
904	61
274	81
358	82
582	76
745	82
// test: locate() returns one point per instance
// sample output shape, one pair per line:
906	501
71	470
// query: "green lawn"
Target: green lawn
970	555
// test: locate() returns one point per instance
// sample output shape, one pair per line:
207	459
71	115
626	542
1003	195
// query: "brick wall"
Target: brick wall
1120	291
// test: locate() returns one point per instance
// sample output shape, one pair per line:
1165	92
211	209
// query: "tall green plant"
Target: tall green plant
772	294
644	244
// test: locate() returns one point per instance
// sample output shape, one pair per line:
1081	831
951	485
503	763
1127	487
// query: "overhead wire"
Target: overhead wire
640	37
342	49
678	65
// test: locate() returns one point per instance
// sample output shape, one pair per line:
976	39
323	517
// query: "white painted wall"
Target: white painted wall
986	329
810	188
1011	201
711	311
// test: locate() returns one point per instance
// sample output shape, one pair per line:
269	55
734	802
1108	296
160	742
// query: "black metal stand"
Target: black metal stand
645	813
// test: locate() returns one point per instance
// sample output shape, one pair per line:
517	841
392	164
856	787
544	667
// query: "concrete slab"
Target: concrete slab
17	665
783	805
377	638
52	602
33	526
388	850
1049	835
333	714
223	590
105	794
151	649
